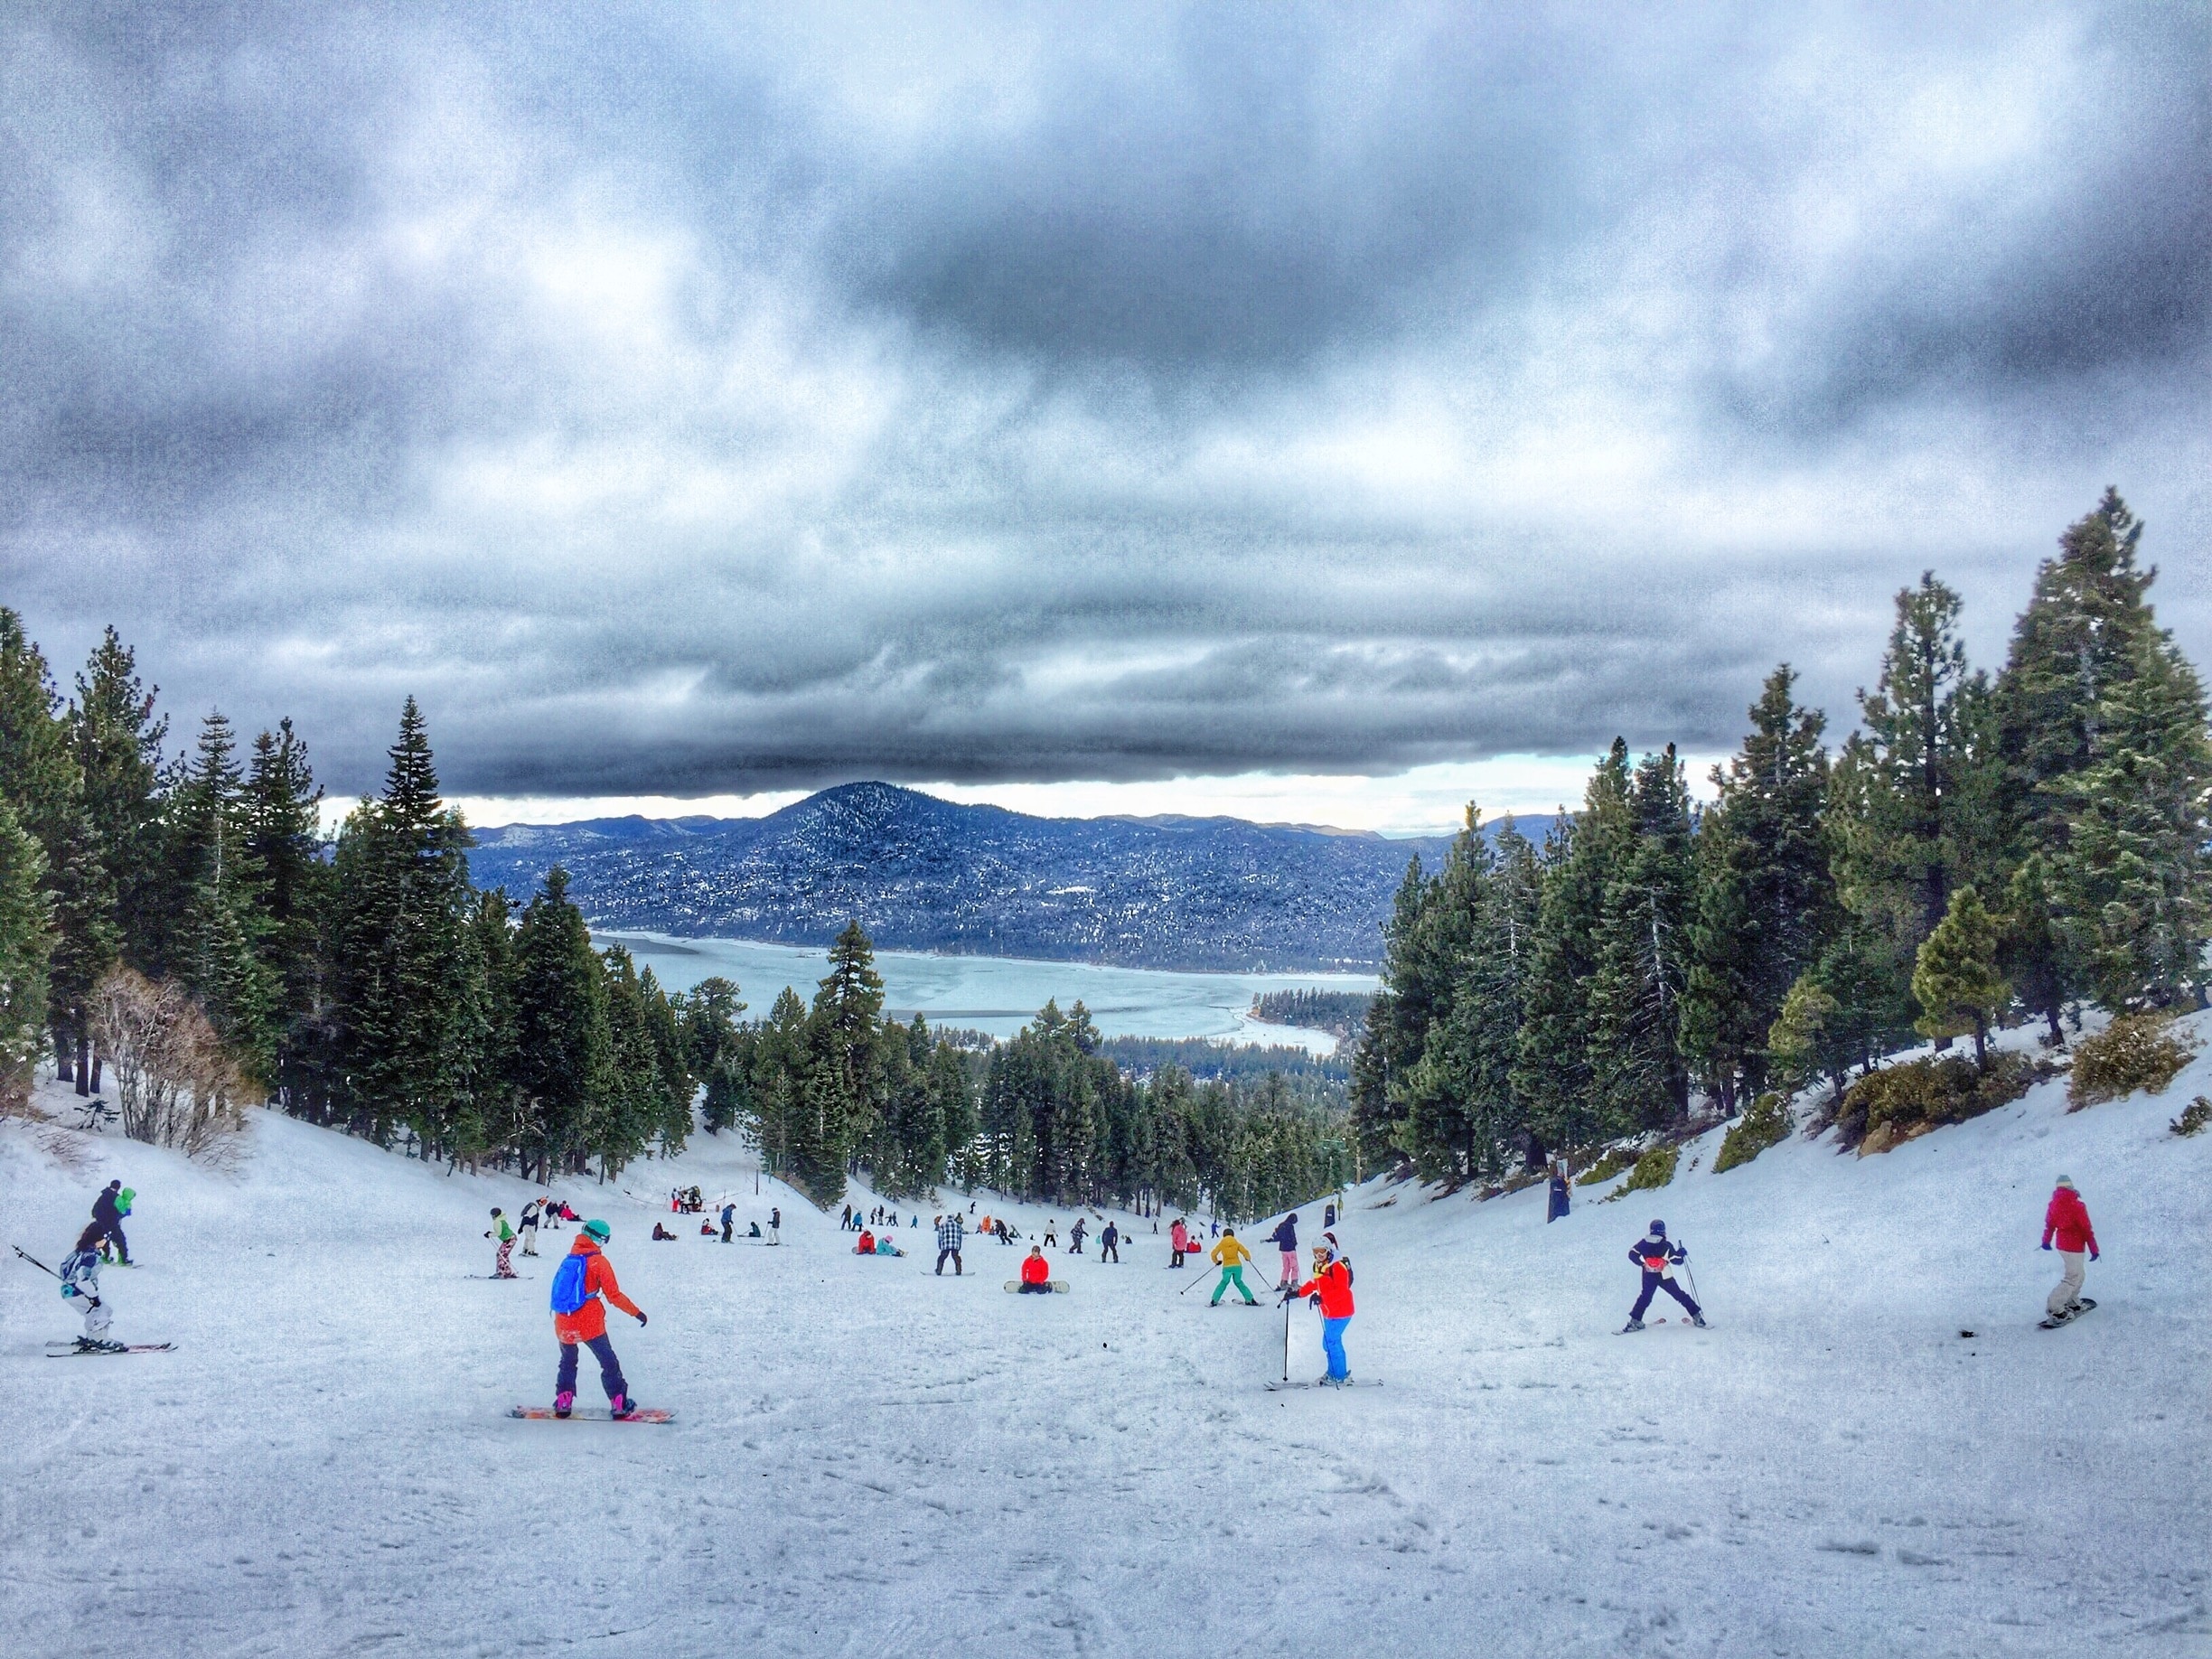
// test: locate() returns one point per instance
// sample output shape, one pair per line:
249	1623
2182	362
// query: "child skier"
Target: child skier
1231	1257
79	1278
1285	1239
505	1234
531	1213
1654	1254
2067	1217
775	1226
586	1275
1331	1289
1036	1272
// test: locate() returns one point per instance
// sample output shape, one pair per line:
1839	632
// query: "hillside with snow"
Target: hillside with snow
869	1460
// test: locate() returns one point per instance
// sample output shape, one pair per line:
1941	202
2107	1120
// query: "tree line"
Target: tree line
1980	849
152	904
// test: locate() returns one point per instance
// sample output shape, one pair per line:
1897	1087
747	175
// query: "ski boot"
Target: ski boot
564	1403
1632	1325
100	1344
621	1407
1698	1319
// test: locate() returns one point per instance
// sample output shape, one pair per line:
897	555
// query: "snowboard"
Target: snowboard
2052	1324
1277	1388
496	1277
592	1414
71	1351
1058	1285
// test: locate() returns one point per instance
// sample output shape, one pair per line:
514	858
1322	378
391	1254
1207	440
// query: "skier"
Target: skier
1331	1289
1231	1257
108	1210
1035	1273
529	1227
1179	1243
729	1220
506	1236
1285	1237
1656	1254
845	1220
1110	1243
949	1230
1052	1235
79	1278
1075	1235
1556	1208
585	1275
2067	1218
1328	1217
775	1226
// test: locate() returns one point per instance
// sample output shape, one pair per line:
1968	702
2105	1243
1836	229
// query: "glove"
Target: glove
2045	1243
2092	1255
640	1321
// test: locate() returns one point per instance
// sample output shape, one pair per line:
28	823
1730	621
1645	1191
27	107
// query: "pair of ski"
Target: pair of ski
80	1349
1278	1388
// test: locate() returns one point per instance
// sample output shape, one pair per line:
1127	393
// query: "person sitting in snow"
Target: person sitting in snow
884	1247
1036	1272
867	1246
1654	1254
662	1235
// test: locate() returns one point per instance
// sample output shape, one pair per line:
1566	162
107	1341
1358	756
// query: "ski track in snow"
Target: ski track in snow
870	1460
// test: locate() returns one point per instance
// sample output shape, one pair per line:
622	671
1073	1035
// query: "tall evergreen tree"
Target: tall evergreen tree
564	1047
119	739
1955	978
282	824
1636	1060
26	936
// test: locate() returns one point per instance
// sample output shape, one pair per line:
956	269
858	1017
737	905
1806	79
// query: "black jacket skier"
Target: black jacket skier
1655	1253
108	1217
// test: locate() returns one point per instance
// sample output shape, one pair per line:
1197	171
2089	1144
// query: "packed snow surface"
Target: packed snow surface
869	1460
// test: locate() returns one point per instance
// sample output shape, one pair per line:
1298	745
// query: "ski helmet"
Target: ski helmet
598	1229
1658	1230
496	1209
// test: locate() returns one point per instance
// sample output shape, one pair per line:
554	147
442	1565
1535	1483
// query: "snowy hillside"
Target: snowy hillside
870	1460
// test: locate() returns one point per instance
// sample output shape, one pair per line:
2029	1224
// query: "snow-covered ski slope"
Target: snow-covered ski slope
870	1460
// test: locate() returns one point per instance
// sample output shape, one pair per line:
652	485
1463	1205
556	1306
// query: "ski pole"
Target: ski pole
1692	1279
34	1262
1285	1302
1203	1273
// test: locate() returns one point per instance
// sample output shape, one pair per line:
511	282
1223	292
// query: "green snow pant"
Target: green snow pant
1231	1276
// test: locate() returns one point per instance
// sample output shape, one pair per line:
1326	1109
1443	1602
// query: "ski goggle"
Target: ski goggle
598	1229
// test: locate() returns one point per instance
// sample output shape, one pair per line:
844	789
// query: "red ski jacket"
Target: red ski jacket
1036	1270
2069	1218
590	1320
1335	1284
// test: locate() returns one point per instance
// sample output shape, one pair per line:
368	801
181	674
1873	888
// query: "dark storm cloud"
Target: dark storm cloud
689	401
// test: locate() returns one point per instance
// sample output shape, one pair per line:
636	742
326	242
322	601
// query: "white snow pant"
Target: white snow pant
80	1282
2067	1291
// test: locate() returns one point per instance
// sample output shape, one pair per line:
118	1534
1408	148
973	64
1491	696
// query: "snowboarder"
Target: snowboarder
1052	1235
1556	1209
867	1246
884	1247
1285	1239
108	1210
1331	1291
1656	1254
1075	1235
661	1235
729	1220
79	1277
505	1234
1231	1257
1110	1243
949	1231
585	1275
2066	1217
1035	1273
530	1211
1179	1243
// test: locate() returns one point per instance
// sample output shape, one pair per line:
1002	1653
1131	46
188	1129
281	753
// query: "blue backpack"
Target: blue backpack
569	1293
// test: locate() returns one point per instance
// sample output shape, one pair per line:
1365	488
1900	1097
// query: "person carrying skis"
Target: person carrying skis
1231	1257
1285	1239
529	1227
506	1236
79	1277
108	1210
949	1231
2067	1218
1556	1207
1330	1289
1656	1254
1036	1272
1110	1243
1179	1243
585	1276
729	1220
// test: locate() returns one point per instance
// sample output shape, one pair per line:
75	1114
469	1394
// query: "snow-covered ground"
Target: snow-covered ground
870	1460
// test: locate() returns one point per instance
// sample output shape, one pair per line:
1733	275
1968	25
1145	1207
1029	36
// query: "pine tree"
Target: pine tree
40	782
117	739
213	943
1956	979
1765	897
1637	1068
26	937
1397	1023
709	1015
563	1048
2031	952
281	821
846	1021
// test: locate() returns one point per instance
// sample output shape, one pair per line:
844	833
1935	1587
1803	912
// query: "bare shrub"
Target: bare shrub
175	1086
2136	1051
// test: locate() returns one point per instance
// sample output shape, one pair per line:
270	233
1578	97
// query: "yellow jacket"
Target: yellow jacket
1231	1252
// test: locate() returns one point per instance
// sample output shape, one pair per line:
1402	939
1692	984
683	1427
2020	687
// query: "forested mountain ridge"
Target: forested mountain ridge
924	874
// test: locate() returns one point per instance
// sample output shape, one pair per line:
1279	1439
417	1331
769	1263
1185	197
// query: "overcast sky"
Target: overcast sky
1314	409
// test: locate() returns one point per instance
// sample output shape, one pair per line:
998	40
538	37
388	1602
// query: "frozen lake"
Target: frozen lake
1000	994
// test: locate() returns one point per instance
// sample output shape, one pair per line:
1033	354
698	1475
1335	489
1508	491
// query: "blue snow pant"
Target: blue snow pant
610	1368
1331	1344
1653	1283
